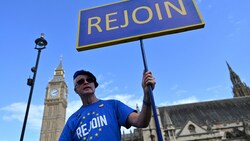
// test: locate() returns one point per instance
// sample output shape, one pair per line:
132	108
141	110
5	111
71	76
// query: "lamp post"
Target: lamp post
40	45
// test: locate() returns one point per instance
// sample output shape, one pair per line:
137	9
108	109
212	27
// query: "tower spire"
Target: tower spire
59	67
59	72
239	88
170	128
233	76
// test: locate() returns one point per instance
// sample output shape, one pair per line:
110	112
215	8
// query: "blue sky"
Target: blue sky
189	66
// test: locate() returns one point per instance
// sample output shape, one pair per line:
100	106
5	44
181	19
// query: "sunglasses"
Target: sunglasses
81	81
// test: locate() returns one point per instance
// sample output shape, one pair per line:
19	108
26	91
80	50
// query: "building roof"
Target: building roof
213	112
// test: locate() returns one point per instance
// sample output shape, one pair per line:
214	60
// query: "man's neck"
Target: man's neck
87	100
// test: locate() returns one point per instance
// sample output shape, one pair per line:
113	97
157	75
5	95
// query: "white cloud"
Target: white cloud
106	87
13	112
16	111
105	84
219	89
72	107
191	99
174	87
128	99
177	90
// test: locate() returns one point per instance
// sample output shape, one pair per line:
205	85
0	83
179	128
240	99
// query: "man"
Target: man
101	120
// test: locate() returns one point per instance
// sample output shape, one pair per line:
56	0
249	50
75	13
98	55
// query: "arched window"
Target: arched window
228	135
191	128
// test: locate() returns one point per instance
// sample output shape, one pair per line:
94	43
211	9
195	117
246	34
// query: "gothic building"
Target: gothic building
218	120
55	104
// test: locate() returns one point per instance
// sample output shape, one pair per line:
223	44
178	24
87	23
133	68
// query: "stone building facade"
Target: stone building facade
218	120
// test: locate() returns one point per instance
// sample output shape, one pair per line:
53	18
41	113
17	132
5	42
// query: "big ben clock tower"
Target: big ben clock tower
55	105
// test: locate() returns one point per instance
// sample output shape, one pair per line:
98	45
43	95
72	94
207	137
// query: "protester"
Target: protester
101	120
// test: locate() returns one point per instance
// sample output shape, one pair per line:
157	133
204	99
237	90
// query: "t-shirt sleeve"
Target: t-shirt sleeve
65	135
123	111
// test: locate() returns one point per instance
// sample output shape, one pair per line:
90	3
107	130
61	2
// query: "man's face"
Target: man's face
84	85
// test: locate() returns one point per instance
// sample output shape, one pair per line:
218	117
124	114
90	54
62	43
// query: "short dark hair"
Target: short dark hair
84	72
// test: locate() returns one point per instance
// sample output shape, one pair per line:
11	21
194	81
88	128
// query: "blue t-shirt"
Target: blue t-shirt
100	121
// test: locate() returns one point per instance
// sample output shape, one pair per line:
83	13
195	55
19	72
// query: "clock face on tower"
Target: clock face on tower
54	93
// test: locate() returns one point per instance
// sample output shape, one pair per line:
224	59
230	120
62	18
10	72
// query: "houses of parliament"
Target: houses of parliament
217	120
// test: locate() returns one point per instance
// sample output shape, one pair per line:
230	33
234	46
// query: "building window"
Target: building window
191	128
228	135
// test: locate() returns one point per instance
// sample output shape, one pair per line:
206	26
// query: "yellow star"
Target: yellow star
85	138
90	137
93	113
88	114
96	134
100	129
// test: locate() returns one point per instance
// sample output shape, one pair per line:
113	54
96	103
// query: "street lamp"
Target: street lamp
40	45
